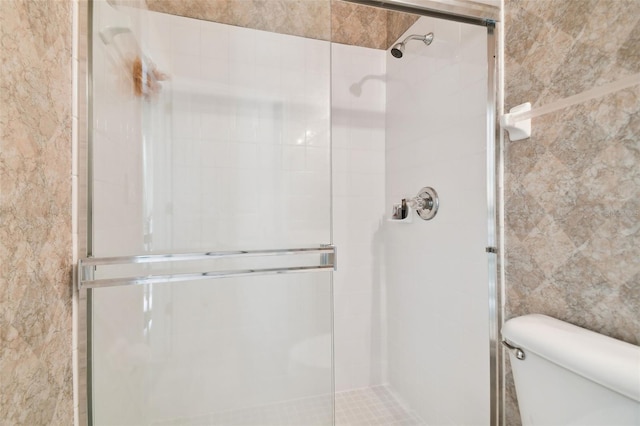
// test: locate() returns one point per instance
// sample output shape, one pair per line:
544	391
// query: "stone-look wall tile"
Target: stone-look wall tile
305	18
549	48
526	155
523	213
523	35
397	24
521	81
615	111
335	20
573	243
523	271
631	131
35	210
63	412
553	184
623	17
627	56
209	10
613	177
549	245
580	69
358	25
570	43
569	16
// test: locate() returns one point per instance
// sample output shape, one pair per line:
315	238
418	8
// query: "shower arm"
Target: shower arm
427	38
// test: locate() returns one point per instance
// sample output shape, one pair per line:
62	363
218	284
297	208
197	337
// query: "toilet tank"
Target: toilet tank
572	376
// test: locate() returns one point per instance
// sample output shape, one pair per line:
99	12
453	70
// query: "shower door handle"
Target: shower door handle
157	268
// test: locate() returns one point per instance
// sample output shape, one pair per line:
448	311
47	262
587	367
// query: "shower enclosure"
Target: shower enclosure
235	150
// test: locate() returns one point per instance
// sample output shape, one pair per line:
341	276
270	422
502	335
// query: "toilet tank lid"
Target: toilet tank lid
609	362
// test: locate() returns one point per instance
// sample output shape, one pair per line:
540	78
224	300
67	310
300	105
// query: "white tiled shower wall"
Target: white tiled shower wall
358	141
436	271
250	138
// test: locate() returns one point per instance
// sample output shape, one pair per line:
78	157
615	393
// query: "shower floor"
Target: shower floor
360	407
373	406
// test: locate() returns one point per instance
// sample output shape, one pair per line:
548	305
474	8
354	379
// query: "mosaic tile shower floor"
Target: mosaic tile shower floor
373	406
361	407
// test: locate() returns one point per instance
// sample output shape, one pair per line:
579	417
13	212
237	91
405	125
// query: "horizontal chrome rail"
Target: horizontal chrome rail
451	10
155	279
87	267
178	257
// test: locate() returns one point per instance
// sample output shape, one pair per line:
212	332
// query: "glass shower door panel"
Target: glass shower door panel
252	350
209	137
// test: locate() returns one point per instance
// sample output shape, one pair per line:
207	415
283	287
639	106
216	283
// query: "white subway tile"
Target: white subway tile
242	45
244	156
269	50
270	123
340	184
215	153
339	133
293	157
214	41
185	38
187	152
366	161
294	131
317	56
214	70
243	77
317	160
293	82
294	59
186	122
270	157
339	160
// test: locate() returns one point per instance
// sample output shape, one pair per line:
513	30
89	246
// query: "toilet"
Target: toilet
566	375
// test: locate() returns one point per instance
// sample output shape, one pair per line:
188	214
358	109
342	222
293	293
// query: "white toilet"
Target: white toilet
566	375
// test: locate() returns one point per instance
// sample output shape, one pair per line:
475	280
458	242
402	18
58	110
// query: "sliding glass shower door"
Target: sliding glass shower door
210	268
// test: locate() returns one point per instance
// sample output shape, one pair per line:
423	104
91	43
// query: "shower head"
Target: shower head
398	49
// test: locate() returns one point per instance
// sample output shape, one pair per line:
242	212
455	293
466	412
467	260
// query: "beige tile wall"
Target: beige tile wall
397	24
572	194
358	25
307	18
350	23
35	213
364	26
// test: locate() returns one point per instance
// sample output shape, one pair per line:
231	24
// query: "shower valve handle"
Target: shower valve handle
419	203
426	203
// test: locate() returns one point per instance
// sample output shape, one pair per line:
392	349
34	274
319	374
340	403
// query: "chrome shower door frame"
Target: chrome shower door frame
455	10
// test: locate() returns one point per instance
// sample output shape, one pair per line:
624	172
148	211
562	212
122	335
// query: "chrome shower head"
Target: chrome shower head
398	49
